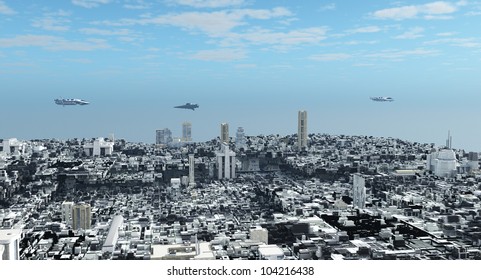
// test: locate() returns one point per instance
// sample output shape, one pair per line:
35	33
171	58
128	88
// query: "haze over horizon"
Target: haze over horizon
248	63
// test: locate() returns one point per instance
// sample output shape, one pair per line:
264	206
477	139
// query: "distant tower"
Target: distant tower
449	141
163	136
302	130
81	216
186	132
240	140
359	191
67	207
224	133
225	162
191	169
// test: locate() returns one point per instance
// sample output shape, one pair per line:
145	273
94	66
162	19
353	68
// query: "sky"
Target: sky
252	64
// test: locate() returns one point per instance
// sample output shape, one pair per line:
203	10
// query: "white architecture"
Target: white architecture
191	169
443	163
240	140
10	244
99	147
225	162
270	252
113	235
302	130
259	233
12	146
359	191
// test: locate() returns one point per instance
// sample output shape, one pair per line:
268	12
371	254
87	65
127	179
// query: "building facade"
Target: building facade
99	147
81	216
302	130
186	132
163	136
225	163
224	133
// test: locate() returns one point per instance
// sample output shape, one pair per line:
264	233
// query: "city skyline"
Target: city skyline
251	64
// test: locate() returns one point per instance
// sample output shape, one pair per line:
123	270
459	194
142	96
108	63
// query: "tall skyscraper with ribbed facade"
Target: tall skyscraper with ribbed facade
224	133
81	216
302	130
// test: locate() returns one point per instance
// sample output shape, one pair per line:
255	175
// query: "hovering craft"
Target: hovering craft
382	99
71	101
188	106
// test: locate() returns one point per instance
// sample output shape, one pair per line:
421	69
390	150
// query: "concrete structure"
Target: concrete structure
163	136
225	163
12	146
442	163
270	252
113	235
302	130
191	169
224	133
240	140
186	132
359	191
259	233
9	244
67	208
81	216
99	147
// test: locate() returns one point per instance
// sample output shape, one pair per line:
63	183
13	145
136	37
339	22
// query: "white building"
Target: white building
302	130
225	163
10	244
113	235
259	233
12	146
443	163
270	252
240	140
191	169
359	191
99	147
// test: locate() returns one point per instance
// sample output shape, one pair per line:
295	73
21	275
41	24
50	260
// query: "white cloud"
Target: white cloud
446	34
293	37
51	23
457	42
330	56
105	32
90	3
366	29
136	5
221	55
401	54
413	33
433	10
53	43
209	3
212	23
4	9
328	7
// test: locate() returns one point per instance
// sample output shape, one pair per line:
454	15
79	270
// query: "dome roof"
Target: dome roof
446	154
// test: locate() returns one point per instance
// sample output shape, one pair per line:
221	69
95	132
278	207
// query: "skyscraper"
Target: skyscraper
191	169
186	131
240	140
359	191
225	162
163	136
81	216
224	133
302	130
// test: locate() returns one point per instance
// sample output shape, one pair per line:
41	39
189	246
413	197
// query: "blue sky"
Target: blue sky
249	63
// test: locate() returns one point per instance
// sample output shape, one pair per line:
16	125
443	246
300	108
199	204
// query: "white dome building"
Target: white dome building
443	163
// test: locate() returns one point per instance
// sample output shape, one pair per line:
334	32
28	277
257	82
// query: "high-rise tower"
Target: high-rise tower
302	130
186	132
224	133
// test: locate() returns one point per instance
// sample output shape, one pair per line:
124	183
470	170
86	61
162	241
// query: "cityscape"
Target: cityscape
250	132
304	196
